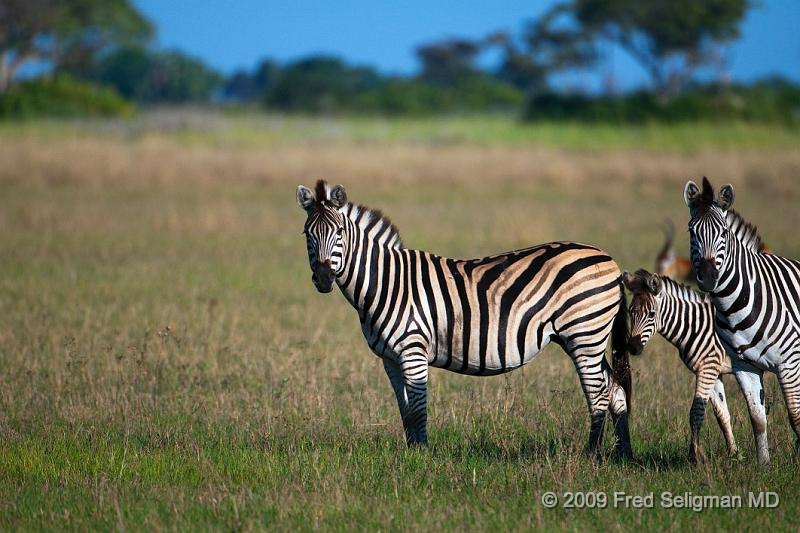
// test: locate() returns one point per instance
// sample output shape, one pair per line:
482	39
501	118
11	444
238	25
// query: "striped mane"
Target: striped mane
683	292
637	284
745	232
368	219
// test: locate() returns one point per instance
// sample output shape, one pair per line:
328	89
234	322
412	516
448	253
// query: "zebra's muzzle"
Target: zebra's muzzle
322	277
708	276
635	346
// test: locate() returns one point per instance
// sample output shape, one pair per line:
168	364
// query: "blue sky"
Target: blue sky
234	34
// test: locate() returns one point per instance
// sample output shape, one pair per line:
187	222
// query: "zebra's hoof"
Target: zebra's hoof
737	456
696	457
594	455
622	453
623	457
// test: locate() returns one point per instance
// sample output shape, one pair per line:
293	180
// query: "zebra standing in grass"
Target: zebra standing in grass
756	298
685	318
479	317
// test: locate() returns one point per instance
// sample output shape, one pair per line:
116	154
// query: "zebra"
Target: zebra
477	317
679	268
756	299
685	318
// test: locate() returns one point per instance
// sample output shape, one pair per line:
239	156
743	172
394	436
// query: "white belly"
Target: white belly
765	355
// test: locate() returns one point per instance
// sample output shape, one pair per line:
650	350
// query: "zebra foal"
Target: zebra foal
685	318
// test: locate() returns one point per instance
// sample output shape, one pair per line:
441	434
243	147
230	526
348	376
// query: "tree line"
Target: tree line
102	48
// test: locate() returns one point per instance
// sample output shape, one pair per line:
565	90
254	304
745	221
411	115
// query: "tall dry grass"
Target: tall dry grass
162	161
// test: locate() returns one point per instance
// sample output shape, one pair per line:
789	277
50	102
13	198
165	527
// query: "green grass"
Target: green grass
238	128
167	364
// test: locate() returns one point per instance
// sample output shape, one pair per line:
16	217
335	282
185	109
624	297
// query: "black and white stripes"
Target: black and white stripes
756	297
479	317
685	318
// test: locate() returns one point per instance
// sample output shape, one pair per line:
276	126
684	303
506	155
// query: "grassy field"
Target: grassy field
245	128
167	363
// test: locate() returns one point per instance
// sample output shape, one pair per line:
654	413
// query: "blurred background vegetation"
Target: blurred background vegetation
100	60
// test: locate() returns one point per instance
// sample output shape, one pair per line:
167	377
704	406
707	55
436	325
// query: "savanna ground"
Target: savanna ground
165	362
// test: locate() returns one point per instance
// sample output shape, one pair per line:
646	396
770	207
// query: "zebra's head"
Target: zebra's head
324	230
709	233
644	308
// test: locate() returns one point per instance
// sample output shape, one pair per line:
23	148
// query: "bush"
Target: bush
61	97
327	85
416	97
772	101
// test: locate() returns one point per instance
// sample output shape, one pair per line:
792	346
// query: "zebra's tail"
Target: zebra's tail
621	362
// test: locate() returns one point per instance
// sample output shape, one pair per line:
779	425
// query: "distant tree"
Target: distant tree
669	39
240	86
517	67
247	86
65	32
449	62
125	69
177	77
141	75
557	44
521	70
320	84
547	45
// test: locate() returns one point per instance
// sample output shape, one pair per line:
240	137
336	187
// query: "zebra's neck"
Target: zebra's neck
680	307
372	247
731	282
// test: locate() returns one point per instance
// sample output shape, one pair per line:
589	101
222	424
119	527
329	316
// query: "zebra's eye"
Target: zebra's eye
651	314
339	230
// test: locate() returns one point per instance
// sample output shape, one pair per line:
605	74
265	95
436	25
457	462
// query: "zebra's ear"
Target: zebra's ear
305	197
654	284
627	280
725	197
338	197
691	194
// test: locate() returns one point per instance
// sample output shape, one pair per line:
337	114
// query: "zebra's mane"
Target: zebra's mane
367	219
745	232
638	283
683	292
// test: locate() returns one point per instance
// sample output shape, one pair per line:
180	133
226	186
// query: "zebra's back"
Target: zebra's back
491	315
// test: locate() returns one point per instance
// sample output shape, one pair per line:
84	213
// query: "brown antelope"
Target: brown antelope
668	262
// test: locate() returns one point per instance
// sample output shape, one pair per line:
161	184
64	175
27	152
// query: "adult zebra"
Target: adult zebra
755	296
479	317
685	318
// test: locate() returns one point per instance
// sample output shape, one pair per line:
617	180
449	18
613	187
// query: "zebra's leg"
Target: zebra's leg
696	415
395	374
414	365
619	416
594	377
789	379
751	381
723	416
703	387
